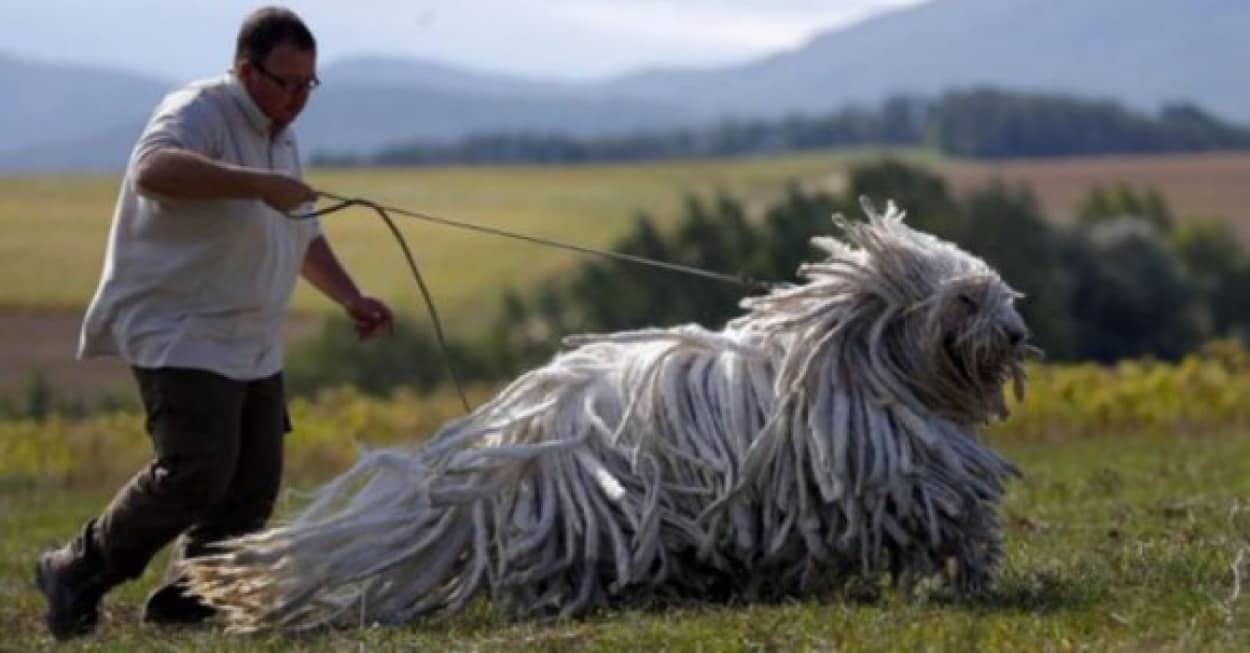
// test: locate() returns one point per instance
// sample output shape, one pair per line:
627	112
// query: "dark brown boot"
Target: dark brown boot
73	584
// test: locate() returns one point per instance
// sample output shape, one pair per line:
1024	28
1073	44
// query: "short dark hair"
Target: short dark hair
266	28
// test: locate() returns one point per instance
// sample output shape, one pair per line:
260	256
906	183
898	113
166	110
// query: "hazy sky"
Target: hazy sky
570	39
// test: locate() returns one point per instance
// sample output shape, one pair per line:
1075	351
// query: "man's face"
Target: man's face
280	84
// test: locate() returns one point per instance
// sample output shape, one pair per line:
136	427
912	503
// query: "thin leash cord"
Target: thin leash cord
416	274
342	202
743	280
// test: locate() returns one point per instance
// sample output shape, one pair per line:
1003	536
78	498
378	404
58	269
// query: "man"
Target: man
201	262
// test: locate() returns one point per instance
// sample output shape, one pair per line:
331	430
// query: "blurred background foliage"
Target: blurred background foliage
1121	280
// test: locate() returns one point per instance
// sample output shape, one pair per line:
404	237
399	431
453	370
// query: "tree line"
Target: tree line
980	123
1126	279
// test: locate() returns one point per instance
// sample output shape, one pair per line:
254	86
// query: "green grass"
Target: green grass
61	223
1114	543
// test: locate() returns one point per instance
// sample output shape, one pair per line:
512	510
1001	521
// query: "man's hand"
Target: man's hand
285	194
369	316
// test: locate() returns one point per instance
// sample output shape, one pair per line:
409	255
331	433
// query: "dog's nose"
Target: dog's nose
1016	336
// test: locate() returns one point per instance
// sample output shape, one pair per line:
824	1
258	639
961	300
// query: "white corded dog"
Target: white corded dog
825	434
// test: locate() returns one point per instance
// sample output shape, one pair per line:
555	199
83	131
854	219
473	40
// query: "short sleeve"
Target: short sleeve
185	120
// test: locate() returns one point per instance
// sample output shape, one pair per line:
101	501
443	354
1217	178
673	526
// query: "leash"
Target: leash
342	202
742	280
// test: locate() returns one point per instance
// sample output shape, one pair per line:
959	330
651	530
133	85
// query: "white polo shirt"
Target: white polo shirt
201	283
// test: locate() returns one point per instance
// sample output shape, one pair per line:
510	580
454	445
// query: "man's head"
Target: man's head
276	61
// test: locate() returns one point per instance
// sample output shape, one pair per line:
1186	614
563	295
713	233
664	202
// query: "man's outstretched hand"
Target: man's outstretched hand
370	317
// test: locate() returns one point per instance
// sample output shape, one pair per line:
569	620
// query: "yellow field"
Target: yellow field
55	227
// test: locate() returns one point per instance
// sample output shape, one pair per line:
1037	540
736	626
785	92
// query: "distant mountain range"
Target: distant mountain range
1141	52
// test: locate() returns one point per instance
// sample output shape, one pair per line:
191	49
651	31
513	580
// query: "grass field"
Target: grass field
1122	534
1113	544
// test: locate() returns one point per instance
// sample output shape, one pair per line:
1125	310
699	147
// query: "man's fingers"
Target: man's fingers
368	328
370	317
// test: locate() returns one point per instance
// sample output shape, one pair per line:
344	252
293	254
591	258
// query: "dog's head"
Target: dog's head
910	314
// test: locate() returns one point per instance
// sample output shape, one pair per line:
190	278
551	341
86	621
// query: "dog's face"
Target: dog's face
975	342
958	338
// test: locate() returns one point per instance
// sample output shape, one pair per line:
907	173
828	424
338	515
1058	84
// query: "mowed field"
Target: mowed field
54	229
1113	544
1197	186
1128	530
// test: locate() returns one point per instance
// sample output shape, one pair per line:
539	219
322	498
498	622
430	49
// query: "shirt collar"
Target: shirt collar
255	117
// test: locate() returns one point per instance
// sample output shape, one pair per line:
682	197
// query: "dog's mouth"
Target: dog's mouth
988	370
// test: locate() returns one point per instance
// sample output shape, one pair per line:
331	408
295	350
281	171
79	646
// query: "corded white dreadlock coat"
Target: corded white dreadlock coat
827	433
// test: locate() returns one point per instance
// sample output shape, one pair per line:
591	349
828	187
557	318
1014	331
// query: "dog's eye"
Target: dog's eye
968	301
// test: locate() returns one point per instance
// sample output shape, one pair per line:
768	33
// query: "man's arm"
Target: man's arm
184	174
322	270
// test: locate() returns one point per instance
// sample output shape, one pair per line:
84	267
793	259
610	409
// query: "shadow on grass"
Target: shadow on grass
1034	592
1031	592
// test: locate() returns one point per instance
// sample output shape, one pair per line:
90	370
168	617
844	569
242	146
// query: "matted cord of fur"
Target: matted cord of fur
828	433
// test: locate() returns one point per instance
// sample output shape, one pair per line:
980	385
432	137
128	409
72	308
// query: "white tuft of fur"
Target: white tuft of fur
827	433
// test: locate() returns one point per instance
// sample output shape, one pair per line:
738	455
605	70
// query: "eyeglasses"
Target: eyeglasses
288	85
